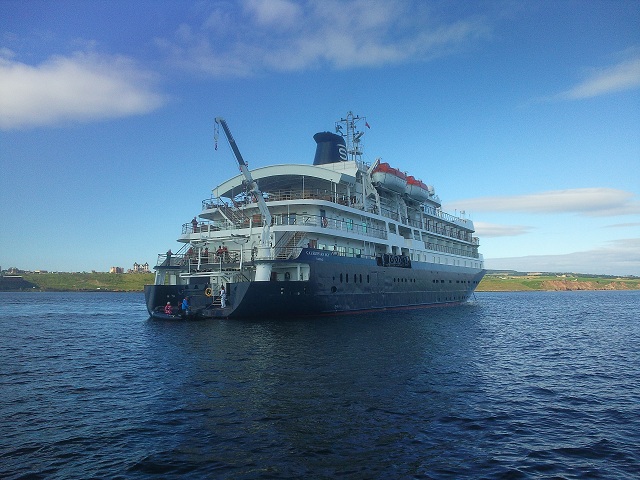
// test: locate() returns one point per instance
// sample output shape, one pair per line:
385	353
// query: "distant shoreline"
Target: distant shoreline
135	282
500	282
77	282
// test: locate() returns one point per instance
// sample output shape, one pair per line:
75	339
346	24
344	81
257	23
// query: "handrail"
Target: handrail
430	212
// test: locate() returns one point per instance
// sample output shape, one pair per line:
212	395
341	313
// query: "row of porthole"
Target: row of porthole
451	281
355	277
358	277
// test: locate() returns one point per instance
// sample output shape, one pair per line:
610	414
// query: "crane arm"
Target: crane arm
262	205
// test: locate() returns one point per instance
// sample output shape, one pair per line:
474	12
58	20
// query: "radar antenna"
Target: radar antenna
348	127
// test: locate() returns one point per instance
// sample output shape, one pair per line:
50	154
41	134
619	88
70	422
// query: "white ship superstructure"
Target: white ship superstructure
338	235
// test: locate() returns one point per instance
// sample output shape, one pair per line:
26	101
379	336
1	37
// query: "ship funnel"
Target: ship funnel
330	148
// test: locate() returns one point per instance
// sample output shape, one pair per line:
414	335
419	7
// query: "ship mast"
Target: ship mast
349	129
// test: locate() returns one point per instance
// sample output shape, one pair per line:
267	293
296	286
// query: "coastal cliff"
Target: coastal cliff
498	282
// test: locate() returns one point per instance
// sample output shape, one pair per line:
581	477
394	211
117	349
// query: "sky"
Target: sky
524	116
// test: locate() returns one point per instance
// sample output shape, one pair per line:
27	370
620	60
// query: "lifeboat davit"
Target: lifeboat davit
389	177
416	189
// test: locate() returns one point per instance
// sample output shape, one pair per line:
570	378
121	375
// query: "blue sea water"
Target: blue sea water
511	385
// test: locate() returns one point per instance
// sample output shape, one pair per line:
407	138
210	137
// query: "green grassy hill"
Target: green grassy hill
110	282
500	282
492	282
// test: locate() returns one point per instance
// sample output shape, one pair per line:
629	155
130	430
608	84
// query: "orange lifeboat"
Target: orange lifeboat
389	178
416	189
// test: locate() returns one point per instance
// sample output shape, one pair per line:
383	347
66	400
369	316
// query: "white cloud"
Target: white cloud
486	230
279	14
622	76
586	201
624	225
80	87
283	35
619	257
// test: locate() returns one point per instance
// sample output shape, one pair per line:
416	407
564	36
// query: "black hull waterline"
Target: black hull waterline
336	285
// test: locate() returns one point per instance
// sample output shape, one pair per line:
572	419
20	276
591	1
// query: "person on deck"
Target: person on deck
223	297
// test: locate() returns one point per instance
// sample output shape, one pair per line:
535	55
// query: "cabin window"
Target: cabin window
340	278
392	228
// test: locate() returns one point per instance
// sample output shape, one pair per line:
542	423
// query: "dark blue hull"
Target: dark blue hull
336	284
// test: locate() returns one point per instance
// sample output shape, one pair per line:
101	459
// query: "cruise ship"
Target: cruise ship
337	235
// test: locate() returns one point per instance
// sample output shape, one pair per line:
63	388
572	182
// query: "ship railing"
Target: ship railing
325	222
341	198
212	202
447	249
285	253
444	230
321	221
173	260
390	214
447	217
243	200
205	227
310	194
307	220
350	226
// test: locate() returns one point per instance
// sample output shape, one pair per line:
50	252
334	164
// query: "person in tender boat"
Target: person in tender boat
185	306
168	309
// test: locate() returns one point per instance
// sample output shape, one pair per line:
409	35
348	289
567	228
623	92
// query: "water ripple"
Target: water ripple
512	386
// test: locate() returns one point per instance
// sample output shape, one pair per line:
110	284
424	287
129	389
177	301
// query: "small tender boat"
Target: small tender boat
158	313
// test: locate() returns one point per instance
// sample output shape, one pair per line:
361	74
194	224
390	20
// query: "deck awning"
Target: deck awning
281	177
